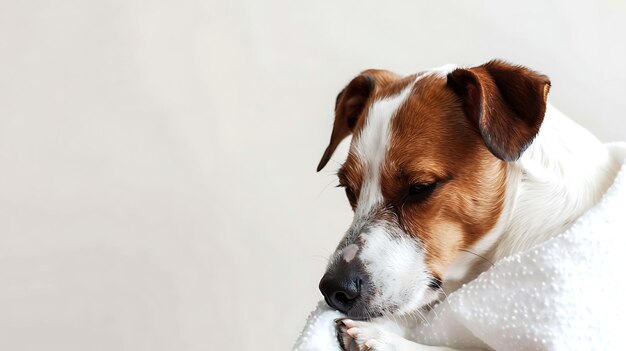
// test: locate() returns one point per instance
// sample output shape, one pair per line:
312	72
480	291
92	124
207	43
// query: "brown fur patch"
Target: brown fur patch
433	141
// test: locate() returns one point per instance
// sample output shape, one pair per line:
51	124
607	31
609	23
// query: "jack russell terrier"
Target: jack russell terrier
448	170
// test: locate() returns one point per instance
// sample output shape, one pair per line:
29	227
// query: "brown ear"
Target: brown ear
349	106
507	104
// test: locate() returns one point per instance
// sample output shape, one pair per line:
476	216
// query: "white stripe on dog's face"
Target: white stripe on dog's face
371	148
372	143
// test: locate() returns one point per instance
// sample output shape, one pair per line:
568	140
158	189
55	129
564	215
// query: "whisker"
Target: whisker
326	187
403	317
423	317
410	317
446	297
477	255
337	162
432	308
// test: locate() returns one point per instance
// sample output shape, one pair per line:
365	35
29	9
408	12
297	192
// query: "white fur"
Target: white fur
394	256
444	70
371	149
563	173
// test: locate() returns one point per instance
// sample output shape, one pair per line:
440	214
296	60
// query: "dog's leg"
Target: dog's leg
366	336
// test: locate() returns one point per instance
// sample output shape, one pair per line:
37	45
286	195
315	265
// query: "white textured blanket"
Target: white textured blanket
564	294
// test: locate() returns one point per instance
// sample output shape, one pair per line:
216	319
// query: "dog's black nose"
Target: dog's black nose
342	286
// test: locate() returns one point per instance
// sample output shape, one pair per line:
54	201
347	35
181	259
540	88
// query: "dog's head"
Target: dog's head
425	176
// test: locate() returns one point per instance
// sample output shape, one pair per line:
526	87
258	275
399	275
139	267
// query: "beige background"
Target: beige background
157	184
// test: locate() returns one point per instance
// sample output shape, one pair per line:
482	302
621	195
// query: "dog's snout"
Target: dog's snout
342	286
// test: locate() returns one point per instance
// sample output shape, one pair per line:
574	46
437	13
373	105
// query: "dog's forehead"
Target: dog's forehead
387	101
371	143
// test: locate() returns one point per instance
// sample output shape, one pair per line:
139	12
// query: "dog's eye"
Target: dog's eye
420	191
350	195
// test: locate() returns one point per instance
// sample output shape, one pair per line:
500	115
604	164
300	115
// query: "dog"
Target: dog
448	170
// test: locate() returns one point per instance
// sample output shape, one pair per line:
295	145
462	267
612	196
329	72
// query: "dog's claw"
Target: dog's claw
341	335
346	333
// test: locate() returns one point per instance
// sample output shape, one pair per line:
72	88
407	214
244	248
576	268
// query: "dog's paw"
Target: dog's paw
365	336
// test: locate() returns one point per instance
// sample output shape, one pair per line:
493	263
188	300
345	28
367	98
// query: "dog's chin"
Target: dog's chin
366	310
424	301
363	313
372	312
413	306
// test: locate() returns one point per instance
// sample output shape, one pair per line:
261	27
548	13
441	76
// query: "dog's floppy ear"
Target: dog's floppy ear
507	104
349	106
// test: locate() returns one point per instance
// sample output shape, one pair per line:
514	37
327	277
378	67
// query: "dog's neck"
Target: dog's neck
562	174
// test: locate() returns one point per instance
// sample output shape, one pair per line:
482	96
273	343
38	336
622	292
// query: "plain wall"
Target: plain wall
157	158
